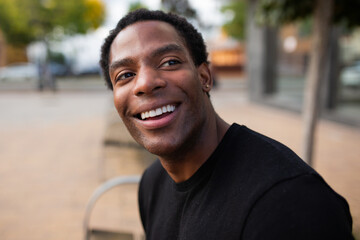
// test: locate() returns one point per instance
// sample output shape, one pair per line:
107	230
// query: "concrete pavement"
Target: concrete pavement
52	157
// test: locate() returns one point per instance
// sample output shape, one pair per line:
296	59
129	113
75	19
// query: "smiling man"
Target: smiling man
212	180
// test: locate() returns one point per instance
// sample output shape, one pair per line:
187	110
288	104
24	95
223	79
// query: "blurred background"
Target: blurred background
60	137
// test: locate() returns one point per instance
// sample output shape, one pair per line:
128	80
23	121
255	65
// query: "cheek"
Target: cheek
119	98
188	81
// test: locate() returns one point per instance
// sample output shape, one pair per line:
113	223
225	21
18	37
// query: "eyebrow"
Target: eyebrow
157	52
167	48
120	63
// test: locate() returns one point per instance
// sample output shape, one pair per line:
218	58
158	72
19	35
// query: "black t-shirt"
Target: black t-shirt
251	187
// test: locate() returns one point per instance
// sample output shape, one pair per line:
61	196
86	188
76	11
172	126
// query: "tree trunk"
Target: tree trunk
316	73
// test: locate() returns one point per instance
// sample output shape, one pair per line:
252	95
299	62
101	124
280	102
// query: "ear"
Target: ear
205	77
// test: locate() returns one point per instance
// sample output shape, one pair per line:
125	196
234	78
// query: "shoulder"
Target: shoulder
245	140
254	159
270	147
303	207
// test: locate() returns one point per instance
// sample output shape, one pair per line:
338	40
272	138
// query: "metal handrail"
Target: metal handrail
106	186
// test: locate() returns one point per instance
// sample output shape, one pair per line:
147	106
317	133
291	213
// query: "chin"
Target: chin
161	149
166	144
170	150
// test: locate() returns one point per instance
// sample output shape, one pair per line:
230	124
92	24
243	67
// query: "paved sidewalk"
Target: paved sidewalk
51	156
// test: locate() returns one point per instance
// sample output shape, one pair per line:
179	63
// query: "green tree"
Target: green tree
324	13
136	5
26	21
181	7
235	26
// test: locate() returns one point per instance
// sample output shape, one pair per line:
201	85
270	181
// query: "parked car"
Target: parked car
86	69
18	72
350	76
58	69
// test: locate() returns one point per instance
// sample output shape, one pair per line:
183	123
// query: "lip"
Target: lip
161	122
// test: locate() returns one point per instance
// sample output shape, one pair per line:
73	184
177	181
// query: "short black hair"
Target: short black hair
193	39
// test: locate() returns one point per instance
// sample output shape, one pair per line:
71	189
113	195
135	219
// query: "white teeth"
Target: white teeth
152	113
157	112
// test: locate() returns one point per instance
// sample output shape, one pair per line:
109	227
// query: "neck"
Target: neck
195	154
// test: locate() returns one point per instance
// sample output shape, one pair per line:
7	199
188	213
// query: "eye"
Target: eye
125	75
170	63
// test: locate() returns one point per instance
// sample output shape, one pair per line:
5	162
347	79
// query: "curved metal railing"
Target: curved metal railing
106	186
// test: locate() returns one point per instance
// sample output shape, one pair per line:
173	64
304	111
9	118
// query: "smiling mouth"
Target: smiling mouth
157	112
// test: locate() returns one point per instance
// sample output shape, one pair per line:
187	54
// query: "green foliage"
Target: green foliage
136	5
24	21
235	27
346	12
181	7
277	12
57	57
305	27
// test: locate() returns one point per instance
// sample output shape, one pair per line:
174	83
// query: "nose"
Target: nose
148	81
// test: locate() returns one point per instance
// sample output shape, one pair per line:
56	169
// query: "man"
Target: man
212	180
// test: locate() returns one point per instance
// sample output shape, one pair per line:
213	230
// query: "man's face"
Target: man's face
158	91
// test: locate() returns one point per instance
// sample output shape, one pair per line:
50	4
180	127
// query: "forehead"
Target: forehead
143	36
